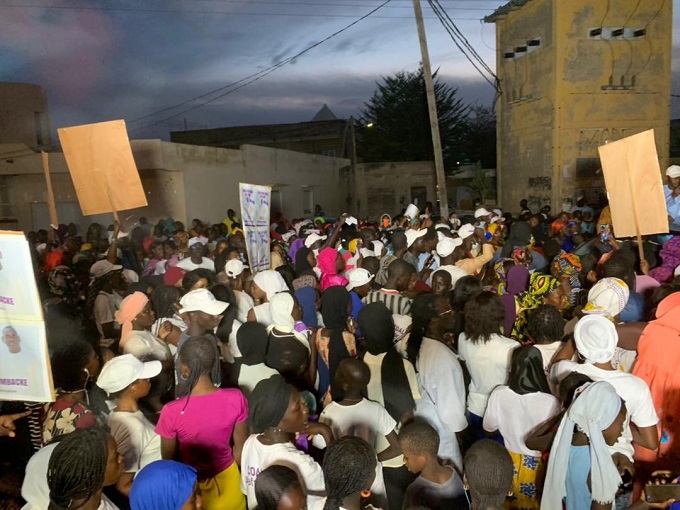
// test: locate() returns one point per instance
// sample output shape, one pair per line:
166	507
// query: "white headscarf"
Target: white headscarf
608	297
271	282
593	411
596	338
281	311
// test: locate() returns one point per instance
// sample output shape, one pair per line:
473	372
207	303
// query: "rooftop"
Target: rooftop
502	11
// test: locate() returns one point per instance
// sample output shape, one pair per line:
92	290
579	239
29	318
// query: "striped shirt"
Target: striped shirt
395	302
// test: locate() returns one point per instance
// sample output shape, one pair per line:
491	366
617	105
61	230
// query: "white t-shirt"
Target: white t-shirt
105	307
143	344
442	388
547	352
516	416
633	390
257	457
137	442
188	265
488	364
250	375
35	490
175	321
262	314
244	303
366	419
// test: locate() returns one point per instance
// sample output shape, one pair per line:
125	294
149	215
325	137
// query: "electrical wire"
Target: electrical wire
651	48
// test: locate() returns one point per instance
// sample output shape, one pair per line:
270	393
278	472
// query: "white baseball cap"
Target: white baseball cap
358	277
234	267
466	231
102	268
673	171
312	238
195	240
412	235
122	371
202	300
481	212
446	246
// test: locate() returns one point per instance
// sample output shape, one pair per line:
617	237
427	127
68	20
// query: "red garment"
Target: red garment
53	259
657	364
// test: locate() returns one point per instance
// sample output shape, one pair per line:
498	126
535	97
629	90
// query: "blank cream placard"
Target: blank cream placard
104	173
633	179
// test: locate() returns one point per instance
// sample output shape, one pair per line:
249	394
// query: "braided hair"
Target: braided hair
200	355
545	324
272	484
424	309
77	468
164	300
348	467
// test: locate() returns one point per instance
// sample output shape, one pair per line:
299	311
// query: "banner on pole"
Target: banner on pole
25	372
255	207
633	179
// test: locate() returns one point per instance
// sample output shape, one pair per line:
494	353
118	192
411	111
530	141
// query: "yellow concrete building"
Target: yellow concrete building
575	74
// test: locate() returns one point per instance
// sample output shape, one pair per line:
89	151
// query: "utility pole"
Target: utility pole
442	194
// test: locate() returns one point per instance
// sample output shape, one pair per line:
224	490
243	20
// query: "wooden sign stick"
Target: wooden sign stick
111	201
51	205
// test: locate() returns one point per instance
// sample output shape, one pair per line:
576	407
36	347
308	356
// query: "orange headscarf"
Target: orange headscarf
130	308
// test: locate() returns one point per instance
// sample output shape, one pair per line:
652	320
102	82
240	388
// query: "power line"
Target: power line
197	11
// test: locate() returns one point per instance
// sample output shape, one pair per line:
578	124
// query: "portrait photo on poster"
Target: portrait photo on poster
24	366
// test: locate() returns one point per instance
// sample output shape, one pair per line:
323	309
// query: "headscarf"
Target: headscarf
527	374
518	281
280	311
61	281
608	297
271	282
540	286
568	264
302	265
593	411
130	308
557	226
268	403
501	276
252	339
307	297
307	280
377	325
352	245
670	256
596	338
522	256
326	264
335	309
294	248
163	485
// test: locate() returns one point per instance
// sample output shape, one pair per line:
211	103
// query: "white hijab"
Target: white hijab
593	411
271	282
281	311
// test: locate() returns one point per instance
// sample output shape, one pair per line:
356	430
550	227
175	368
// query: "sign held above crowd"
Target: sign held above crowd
102	167
633	179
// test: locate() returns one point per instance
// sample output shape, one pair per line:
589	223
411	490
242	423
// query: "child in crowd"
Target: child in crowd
438	486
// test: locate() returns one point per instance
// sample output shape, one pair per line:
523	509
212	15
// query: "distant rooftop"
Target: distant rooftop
324	114
512	5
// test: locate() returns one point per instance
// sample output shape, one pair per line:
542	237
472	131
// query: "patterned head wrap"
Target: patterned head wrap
540	286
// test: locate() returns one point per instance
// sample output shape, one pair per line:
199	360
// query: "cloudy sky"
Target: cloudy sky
108	59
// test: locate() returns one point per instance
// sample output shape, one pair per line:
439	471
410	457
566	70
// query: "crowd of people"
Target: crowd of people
483	362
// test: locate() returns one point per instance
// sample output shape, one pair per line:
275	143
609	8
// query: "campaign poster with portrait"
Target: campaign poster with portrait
25	372
255	207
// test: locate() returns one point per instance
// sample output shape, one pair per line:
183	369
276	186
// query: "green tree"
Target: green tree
400	124
480	184
480	136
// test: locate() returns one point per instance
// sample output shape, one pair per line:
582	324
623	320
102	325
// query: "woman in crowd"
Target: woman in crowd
567	268
229	324
165	485
165	303
103	299
79	468
581	470
463	291
277	414
234	269
440	375
125	380
198	428
335	341
290	351
265	285
545	330
250	368
74	366
331	264
485	351
518	281
308	297
348	470
515	411
279	488
543	290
